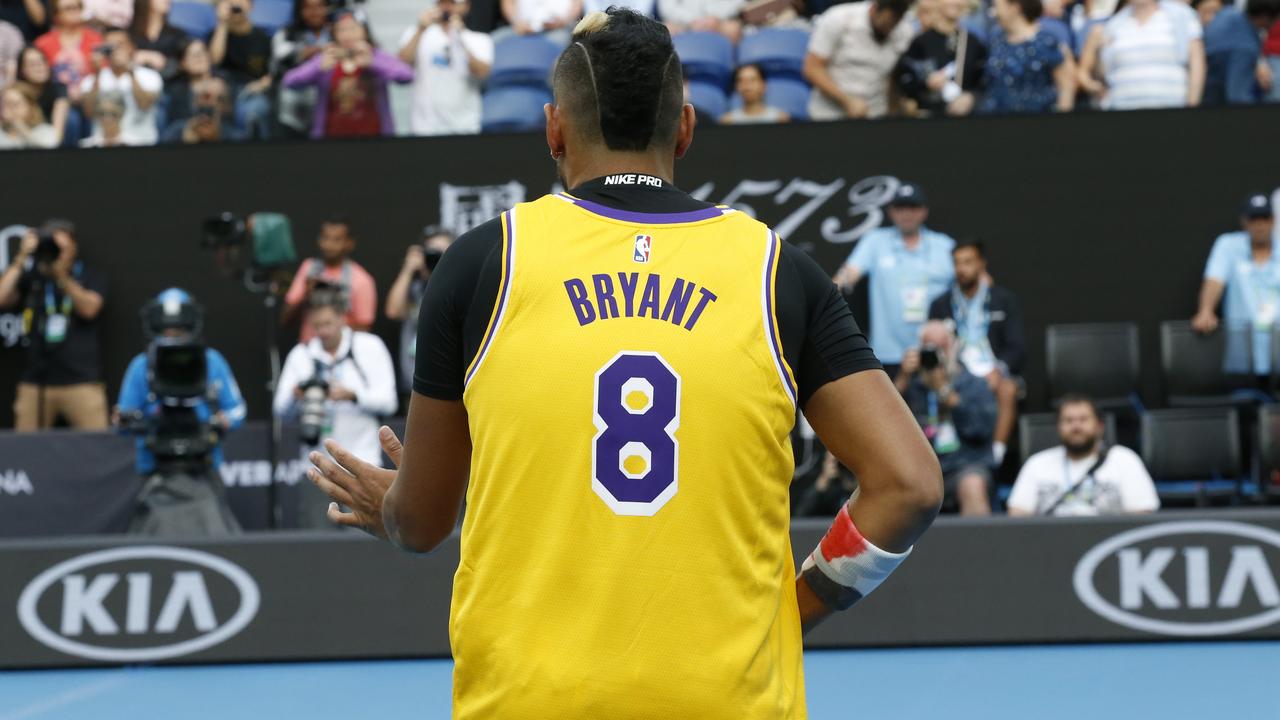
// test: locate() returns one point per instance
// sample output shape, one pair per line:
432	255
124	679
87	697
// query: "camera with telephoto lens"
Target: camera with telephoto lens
929	357
313	413
431	256
47	250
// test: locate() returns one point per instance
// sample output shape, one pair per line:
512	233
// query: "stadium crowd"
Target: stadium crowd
100	73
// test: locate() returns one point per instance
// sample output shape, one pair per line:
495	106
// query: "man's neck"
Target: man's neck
335	264
944	26
240	28
912	238
1083	455
576	170
1261	251
971	290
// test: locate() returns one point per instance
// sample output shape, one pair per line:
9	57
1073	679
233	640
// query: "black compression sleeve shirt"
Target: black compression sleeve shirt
820	339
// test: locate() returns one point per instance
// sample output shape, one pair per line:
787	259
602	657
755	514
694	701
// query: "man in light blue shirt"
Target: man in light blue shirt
1245	267
909	265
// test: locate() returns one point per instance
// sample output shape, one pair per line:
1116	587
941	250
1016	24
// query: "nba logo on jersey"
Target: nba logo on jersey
643	243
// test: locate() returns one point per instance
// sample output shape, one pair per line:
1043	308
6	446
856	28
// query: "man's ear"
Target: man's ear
684	135
555	131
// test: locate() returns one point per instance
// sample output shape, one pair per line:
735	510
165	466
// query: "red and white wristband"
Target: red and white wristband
845	567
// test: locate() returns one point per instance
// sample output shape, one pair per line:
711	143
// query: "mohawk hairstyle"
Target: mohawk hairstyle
621	80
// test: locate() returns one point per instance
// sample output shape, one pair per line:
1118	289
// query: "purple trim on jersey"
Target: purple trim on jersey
510	250
646	218
775	244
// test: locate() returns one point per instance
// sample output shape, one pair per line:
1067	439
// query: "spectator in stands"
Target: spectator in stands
351	77
70	45
103	14
244	52
11	44
990	342
1083	475
957	412
293	45
720	16
64	296
195	66
22	125
928	72
554	19
1028	69
334	266
211	121
140	86
450	64
644	7
184	500
30	16
749	81
1232	54
159	44
909	265
1265	15
406	294
107	113
1148	55
35	75
851	57
1244	266
361	388
830	491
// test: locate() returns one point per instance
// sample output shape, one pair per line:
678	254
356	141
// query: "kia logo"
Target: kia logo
1192	578
138	604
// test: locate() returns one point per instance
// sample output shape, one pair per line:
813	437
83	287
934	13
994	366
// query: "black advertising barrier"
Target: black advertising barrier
296	596
83	483
1090	218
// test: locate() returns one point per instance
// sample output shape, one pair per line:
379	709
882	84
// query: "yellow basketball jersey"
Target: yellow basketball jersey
625	551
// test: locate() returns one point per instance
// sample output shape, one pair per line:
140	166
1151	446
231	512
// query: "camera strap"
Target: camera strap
1102	457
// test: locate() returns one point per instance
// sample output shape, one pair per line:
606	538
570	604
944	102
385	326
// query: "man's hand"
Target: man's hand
910	362
331	56
856	107
415	260
1263	75
221	421
830	469
28	246
356	484
363	57
223	12
961	106
456	23
936	379
429	17
338	393
1204	322
937	80
994	378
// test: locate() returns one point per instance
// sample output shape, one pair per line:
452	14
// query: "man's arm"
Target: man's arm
36	12
9	279
142	96
230	402
421	507
1015	339
1206	318
85	302
863	421
218	41
1195	73
1064	77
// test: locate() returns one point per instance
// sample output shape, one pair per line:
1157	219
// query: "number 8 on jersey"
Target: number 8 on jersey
634	454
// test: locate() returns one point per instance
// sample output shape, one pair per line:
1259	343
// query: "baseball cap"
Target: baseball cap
1258	205
909	194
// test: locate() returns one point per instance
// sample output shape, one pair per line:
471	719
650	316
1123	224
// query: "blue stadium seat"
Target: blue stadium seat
512	109
523	61
978	27
708	98
1058	29
779	52
1083	35
785	94
271	15
706	56
193	18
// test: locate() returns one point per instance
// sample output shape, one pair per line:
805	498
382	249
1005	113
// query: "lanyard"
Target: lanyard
50	306
933	409
972	326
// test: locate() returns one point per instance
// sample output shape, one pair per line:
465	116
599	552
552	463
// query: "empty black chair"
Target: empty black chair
1095	359
1193	453
1039	431
1269	448
1194	368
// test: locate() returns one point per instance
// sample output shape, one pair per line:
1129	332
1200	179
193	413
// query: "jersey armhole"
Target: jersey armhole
772	255
504	293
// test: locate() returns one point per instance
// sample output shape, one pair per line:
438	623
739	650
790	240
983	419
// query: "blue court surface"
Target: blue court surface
1205	681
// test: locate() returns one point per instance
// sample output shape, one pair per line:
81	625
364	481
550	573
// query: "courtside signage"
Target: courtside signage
138	604
1187	579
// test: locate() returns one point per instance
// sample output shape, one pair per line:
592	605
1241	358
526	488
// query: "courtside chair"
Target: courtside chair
1193	454
1194	370
193	18
706	57
1096	359
708	98
514	109
778	51
1039	431
1269	449
523	61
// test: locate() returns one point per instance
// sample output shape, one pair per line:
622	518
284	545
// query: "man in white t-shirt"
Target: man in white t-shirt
140	86
450	65
554	19
852	53
1082	476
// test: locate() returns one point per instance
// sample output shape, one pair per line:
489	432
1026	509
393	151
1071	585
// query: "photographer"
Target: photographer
406	294
210	122
339	385
175	415
957	411
334	266
244	52
61	299
450	65
140	86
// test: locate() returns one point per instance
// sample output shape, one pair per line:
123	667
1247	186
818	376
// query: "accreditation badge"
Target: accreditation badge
55	329
915	303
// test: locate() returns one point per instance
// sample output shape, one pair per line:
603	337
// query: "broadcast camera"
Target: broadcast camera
267	239
177	379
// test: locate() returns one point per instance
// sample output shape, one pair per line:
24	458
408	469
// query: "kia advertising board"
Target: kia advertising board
290	596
